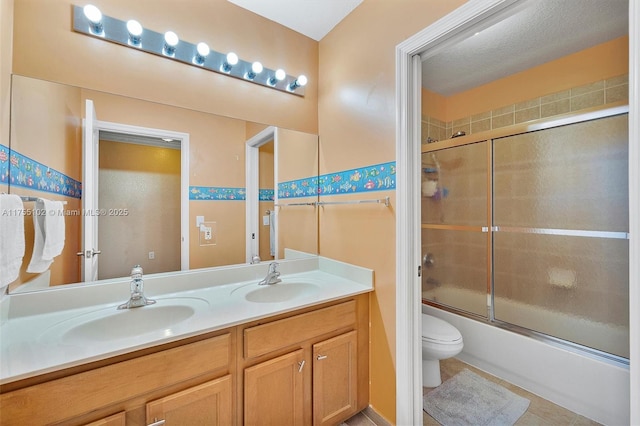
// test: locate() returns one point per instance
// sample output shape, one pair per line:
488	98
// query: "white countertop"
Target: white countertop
32	334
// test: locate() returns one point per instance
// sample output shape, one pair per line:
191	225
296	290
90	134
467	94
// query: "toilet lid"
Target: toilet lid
437	330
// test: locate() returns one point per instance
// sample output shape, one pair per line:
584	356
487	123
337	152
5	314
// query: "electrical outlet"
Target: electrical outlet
152	255
207	233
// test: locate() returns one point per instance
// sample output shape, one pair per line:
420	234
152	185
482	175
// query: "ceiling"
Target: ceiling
541	31
538	32
313	18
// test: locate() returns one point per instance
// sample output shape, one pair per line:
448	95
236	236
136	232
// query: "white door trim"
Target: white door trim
184	173
252	173
408	310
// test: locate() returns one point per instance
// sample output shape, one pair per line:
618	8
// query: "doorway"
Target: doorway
95	213
454	26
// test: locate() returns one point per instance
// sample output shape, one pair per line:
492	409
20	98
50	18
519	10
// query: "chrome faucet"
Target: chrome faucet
273	276
137	298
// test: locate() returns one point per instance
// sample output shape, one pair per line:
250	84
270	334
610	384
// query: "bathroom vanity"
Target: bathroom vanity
295	354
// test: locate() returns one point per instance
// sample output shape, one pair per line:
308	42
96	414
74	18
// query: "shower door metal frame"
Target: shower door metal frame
489	137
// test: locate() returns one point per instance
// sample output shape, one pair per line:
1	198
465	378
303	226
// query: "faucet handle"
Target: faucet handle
273	266
136	272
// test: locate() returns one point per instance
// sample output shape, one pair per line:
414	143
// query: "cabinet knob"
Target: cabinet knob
321	357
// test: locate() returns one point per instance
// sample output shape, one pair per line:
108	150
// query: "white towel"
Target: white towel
48	224
11	238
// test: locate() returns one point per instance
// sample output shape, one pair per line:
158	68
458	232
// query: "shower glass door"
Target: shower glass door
455	237
560	229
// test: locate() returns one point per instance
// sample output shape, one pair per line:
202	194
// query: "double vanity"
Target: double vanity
215	348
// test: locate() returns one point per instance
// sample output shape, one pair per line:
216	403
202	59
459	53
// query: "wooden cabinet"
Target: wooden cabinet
79	399
310	368
274	391
335	379
118	419
208	404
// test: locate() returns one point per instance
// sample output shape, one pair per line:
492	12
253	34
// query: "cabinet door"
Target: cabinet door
115	420
273	391
207	404
335	379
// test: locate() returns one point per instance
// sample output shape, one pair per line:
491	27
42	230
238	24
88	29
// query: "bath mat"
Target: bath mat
468	399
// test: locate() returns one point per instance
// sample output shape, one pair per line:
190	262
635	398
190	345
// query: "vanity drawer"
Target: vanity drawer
265	338
80	393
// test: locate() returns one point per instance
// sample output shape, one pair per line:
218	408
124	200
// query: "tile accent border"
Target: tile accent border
590	95
215	193
21	171
307	187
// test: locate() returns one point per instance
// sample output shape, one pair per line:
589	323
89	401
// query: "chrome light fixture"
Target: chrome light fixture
230	60
301	81
256	68
94	16
171	40
202	51
278	76
135	32
90	21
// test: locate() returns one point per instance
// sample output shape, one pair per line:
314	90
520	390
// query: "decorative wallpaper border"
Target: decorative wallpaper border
19	170
378	177
215	193
307	187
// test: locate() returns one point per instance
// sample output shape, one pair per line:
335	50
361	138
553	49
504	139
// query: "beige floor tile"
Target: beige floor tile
359	420
583	421
529	419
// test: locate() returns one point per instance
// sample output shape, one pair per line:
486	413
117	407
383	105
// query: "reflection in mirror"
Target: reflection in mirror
139	183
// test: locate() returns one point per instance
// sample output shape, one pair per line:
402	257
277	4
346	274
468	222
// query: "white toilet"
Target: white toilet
440	340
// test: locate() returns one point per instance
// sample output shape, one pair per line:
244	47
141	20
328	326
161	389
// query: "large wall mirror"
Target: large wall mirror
170	184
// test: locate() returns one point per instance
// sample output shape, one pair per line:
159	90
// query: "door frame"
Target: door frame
184	173
252	176
448	30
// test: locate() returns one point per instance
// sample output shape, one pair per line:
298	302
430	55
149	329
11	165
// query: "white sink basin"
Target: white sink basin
112	324
281	292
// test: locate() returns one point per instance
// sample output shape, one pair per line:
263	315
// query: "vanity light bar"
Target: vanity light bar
117	31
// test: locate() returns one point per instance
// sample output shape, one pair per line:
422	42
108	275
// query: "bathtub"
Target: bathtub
596	388
607	337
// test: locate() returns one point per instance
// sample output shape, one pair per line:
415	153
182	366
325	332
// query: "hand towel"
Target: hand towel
49	234
11	238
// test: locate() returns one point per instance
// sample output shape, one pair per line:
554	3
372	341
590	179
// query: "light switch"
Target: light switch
199	221
265	220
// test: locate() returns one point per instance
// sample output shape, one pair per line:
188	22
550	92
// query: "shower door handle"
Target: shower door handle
428	260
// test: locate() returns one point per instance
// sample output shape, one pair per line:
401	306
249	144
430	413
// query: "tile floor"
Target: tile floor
540	412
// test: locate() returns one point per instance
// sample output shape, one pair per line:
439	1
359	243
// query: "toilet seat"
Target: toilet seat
435	330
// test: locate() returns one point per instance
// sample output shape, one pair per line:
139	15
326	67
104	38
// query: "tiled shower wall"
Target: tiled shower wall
598	93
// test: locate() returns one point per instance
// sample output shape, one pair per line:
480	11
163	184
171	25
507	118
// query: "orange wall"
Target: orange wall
356	115
46	47
144	180
603	61
6	45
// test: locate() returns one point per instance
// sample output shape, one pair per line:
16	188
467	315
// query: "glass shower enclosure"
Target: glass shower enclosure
529	231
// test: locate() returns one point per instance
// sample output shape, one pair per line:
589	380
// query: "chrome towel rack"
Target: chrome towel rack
384	200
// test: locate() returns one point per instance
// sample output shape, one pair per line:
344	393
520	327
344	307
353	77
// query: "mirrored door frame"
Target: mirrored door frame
449	29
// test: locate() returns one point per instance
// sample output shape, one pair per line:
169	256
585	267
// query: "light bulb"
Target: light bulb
94	16
300	81
92	13
232	58
279	76
202	50
257	67
229	62
135	31
171	40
